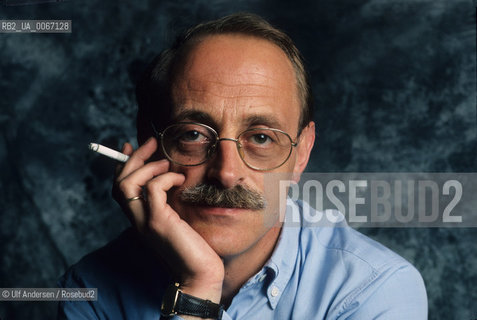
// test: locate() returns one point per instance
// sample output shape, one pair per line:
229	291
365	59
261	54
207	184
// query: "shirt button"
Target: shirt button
275	291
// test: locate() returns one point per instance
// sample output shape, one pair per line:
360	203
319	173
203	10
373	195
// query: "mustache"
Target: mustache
236	197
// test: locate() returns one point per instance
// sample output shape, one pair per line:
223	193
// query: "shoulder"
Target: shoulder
360	272
349	245
106	258
125	257
129	279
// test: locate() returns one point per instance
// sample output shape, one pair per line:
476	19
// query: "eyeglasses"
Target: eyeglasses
192	144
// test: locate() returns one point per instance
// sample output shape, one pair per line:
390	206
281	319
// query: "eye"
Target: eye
192	136
260	139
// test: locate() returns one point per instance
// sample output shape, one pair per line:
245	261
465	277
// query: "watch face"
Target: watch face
169	301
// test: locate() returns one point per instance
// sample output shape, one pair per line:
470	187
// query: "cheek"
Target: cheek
289	166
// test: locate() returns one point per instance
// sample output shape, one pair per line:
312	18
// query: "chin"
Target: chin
229	236
228	231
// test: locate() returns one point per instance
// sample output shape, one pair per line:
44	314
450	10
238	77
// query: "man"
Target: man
229	104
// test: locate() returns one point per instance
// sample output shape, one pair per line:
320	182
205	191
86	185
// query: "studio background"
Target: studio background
395	90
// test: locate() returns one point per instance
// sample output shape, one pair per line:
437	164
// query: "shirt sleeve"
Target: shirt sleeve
400	296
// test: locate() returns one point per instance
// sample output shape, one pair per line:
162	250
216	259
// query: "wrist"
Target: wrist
207	290
176	301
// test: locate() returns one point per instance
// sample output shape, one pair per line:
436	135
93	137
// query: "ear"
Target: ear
305	144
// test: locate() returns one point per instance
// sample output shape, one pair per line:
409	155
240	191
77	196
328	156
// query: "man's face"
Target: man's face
234	83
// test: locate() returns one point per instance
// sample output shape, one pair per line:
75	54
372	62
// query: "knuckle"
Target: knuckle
150	186
153	185
123	185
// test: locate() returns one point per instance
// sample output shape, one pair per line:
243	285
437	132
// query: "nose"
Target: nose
226	166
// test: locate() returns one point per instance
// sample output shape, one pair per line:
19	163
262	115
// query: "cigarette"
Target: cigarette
108	152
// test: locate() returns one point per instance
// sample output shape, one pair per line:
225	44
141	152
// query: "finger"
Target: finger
131	185
156	189
127	149
138	157
156	198
136	211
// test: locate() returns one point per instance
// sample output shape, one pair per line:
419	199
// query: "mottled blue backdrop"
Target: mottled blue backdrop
395	89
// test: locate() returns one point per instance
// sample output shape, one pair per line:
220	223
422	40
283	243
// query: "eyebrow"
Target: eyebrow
196	116
205	118
266	120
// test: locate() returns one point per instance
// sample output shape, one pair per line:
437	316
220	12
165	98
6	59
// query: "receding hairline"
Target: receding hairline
152	91
185	52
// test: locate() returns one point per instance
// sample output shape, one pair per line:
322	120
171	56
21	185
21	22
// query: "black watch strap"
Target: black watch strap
187	304
177	302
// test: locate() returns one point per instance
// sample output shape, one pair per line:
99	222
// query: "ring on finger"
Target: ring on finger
139	197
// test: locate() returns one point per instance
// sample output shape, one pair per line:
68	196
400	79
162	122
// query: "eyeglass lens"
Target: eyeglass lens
192	144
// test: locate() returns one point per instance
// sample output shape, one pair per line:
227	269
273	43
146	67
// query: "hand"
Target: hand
198	268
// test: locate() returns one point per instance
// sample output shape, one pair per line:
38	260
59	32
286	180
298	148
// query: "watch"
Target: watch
176	302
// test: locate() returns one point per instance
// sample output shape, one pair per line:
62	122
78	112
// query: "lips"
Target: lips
218	211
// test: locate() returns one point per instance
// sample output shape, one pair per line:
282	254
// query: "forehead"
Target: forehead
236	77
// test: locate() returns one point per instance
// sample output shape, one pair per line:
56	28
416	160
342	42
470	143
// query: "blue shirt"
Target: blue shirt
313	273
